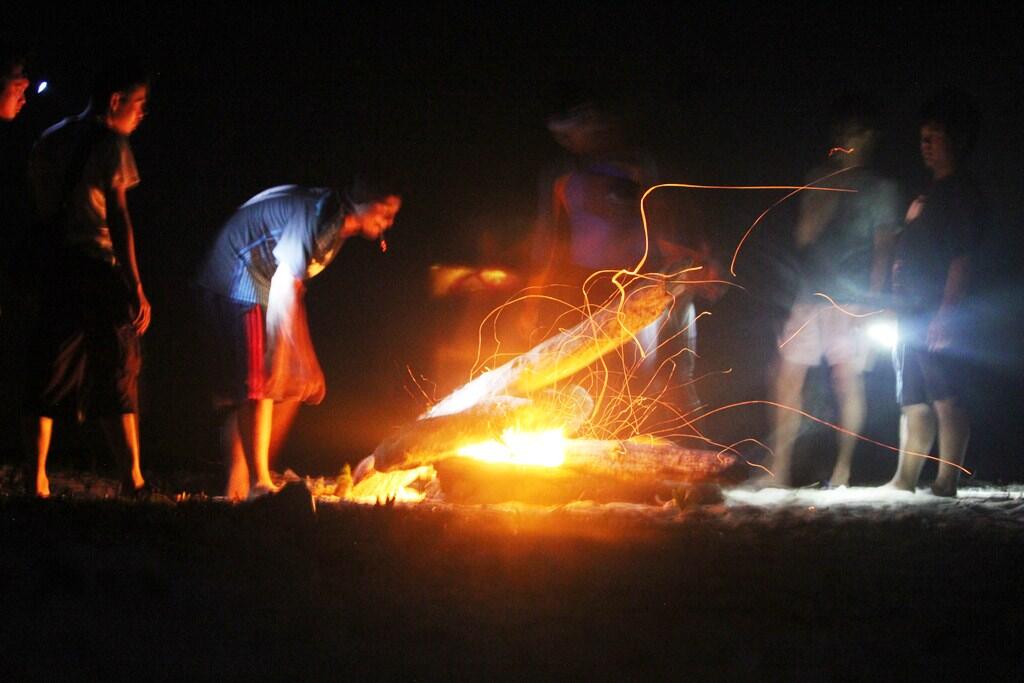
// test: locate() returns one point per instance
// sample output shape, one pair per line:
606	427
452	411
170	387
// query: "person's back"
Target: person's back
296	226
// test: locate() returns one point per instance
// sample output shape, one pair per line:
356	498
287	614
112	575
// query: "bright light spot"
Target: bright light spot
883	333
544	449
42	86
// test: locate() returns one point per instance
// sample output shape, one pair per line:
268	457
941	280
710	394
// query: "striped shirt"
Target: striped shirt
298	228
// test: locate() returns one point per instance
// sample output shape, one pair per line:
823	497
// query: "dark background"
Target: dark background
456	101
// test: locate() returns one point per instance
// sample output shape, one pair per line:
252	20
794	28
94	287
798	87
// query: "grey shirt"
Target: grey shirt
839	261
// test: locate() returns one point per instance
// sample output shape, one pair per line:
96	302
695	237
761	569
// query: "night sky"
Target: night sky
455	101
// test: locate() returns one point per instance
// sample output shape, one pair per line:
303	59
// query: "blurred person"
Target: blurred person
844	244
252	289
85	354
931	277
589	219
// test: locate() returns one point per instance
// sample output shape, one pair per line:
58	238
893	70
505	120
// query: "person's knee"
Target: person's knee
790	378
847	382
950	409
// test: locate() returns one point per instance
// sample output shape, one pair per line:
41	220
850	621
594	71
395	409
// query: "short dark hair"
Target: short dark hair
121	75
955	111
10	59
371	188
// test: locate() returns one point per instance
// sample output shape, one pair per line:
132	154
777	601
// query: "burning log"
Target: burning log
600	471
481	409
643	459
564	354
430	439
516	430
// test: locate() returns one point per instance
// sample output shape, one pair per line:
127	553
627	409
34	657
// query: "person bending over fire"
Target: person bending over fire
252	293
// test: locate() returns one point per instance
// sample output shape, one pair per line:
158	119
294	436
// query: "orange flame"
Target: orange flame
541	449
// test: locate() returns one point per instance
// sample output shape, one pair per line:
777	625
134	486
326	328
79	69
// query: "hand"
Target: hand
142	311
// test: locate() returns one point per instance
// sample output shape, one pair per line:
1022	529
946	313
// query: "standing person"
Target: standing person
14	83
252	286
590	220
15	218
930	280
844	242
14	193
85	356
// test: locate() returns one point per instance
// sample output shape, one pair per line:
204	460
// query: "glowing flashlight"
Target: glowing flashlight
41	88
883	333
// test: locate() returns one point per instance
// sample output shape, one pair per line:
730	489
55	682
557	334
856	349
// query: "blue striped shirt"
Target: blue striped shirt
298	228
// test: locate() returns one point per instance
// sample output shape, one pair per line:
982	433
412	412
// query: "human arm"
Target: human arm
122	237
957	277
881	261
294	370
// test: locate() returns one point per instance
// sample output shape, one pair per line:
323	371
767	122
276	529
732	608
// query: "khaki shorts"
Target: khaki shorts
815	331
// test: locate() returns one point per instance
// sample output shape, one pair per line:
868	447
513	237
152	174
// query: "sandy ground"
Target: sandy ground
848	584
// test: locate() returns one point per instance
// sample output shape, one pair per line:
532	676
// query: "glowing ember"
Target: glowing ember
542	449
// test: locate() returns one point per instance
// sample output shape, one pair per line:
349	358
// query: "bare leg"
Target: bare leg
234	458
38	432
917	434
255	421
122	434
284	415
954	432
848	384
789	385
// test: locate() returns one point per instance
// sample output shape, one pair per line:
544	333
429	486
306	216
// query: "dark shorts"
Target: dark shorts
235	344
84	358
923	376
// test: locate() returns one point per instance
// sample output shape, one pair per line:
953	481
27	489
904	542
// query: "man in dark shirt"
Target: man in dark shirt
930	279
252	285
85	357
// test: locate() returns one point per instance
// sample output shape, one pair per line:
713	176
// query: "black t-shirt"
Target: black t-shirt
947	222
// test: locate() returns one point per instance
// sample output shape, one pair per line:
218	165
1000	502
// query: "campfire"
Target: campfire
525	431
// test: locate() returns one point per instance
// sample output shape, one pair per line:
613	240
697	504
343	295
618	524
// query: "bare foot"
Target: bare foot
945	489
840	477
898	485
237	491
42	486
262	489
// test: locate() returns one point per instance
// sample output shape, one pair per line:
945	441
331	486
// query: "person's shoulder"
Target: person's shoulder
277	192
